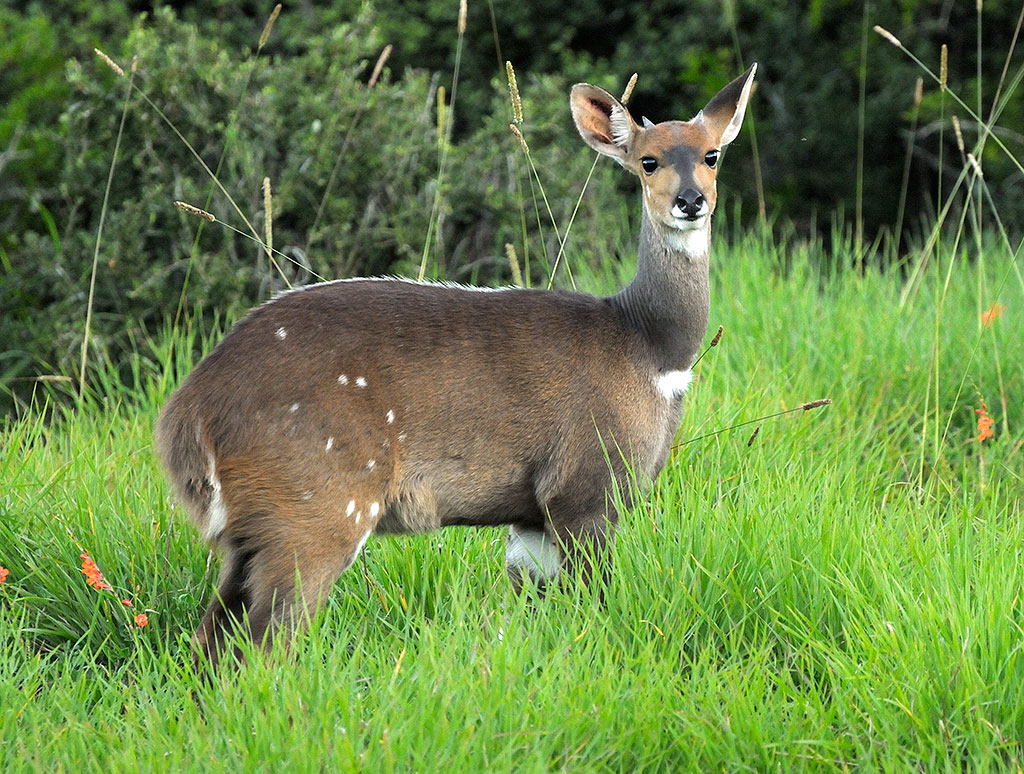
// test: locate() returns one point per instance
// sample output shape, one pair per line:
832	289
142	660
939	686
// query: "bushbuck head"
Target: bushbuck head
676	161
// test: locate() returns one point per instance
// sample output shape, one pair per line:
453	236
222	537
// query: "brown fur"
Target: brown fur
353	407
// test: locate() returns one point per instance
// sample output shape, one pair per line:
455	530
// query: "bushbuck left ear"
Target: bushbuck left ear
603	123
723	115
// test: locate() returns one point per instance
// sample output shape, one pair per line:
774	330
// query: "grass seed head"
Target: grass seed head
959	134
943	66
813	404
268	216
513	90
193	210
519	136
888	36
513	262
629	89
717	337
379	66
269	25
109	62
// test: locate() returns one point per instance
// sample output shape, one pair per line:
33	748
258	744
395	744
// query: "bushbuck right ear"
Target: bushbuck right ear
603	123
723	115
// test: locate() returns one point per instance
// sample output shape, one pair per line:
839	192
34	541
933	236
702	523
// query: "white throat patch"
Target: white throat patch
672	384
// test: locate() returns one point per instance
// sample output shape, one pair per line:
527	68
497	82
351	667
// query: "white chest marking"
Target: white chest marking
672	384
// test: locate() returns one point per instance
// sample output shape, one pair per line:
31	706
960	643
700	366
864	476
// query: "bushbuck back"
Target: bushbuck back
364	406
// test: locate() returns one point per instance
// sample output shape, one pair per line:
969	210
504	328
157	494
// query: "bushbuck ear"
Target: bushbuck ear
603	123
723	115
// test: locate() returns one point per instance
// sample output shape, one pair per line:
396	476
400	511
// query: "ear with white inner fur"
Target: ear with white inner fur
603	123
723	115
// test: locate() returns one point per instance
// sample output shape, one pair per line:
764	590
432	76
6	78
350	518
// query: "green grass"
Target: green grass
843	594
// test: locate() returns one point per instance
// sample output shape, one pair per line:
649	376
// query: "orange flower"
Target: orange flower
994	312
141	620
127	603
93	576
4	572
985	422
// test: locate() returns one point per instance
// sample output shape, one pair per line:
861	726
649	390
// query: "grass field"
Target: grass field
843	593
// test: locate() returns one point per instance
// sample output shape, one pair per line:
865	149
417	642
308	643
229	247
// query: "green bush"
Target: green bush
300	113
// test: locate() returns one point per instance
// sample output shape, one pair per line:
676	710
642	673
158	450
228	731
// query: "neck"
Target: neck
668	299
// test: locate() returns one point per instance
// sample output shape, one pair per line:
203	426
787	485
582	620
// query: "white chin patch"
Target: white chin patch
689	237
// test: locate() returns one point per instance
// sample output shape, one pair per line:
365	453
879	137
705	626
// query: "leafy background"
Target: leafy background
301	111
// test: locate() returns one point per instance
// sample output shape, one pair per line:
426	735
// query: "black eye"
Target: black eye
711	157
649	164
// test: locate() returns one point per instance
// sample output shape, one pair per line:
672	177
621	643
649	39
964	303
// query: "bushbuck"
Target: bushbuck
361	406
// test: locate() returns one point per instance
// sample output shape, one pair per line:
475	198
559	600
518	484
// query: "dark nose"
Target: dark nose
690	202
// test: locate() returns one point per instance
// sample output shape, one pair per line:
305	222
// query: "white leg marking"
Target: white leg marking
351	508
217	515
532	552
672	384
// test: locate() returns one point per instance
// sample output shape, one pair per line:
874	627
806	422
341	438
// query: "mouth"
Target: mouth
681	216
687	222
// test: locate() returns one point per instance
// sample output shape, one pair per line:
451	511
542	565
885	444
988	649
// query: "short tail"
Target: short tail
188	458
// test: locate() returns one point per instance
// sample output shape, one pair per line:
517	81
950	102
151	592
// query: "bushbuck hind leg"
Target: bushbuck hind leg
275	584
225	613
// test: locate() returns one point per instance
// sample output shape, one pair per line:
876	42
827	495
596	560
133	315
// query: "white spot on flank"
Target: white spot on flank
374	510
391	417
358	514
330	443
294	407
360	381
281	333
307	496
401	436
370	464
351	508
217	515
342	379
672	384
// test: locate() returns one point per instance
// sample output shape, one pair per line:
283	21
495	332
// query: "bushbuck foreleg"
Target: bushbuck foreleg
576	539
531	555
586	545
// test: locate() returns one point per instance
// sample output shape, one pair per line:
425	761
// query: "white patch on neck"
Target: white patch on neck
691	242
673	384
